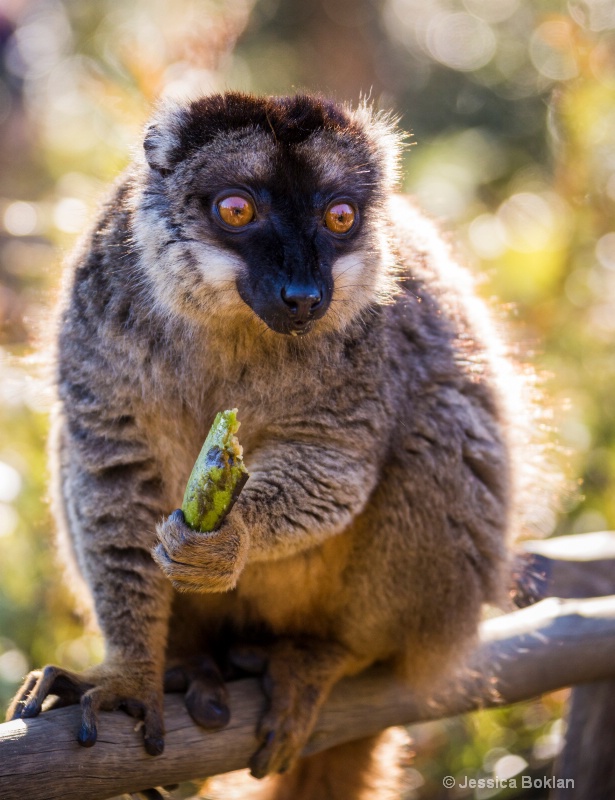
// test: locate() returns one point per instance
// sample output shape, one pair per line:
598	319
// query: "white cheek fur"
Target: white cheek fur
216	265
152	234
346	268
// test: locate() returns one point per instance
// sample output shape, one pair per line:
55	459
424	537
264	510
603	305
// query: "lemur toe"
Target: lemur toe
206	695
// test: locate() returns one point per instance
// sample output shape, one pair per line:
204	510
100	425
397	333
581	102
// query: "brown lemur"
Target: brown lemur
256	256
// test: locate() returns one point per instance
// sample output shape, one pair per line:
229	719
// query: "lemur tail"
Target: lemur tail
366	769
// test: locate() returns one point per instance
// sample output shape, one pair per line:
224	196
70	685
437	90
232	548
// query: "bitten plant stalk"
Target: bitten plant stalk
218	475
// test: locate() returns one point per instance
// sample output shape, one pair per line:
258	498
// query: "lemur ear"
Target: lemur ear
163	136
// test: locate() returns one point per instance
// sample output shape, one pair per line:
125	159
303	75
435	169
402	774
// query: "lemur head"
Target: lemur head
269	208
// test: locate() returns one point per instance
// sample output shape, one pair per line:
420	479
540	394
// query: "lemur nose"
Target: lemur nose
301	301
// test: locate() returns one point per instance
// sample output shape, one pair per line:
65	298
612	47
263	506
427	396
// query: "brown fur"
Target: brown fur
359	770
384	465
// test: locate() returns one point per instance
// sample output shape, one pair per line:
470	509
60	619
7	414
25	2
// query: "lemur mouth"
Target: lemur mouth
303	329
287	325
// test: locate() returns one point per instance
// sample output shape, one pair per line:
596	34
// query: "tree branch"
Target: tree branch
523	654
575	566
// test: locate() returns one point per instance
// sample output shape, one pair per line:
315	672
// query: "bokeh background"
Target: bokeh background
512	113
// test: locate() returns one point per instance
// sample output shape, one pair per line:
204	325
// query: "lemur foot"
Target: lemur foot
135	688
297	678
206	695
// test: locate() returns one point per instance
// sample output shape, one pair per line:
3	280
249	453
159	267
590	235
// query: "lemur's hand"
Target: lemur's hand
135	687
202	562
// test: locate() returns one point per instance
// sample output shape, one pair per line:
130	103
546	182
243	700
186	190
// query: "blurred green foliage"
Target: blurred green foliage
512	108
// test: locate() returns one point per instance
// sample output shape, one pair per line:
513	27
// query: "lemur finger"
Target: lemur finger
260	763
281	747
173	568
90	705
173	532
161	557
184	577
153	729
206	695
208	705
15	709
51	680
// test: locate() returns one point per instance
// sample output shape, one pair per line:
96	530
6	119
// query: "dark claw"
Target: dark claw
207	712
178	516
88	731
154	746
30	709
258	764
256	771
206	697
219	715
87	734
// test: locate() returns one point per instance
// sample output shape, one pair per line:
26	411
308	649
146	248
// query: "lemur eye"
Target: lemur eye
340	217
235	210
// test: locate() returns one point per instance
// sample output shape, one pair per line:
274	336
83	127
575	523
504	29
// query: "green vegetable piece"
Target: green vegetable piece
218	476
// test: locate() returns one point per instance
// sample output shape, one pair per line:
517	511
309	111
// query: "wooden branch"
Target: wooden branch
545	647
588	756
582	566
575	566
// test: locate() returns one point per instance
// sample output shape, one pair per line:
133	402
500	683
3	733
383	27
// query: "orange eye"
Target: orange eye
236	211
340	217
